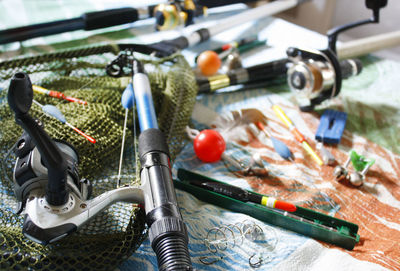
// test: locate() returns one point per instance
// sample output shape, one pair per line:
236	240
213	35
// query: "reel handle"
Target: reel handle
20	96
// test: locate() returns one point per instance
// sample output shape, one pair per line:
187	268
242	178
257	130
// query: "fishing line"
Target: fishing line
4	161
122	148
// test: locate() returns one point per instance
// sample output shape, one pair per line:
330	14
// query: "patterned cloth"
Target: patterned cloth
373	127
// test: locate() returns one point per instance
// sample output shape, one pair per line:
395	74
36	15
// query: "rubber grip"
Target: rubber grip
152	140
350	67
107	18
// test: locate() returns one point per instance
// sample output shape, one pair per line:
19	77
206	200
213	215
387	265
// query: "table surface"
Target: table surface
371	101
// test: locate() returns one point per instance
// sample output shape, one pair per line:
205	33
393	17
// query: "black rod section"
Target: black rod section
259	73
87	21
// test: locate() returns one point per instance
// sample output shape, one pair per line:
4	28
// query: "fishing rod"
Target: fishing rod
168	47
167	232
119	66
368	45
167	16
56	202
314	75
263	72
178	13
87	21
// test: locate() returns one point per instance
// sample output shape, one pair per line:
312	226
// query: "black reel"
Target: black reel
43	166
315	76
30	172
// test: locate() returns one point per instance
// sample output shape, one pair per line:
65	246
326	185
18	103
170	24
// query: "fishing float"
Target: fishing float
295	132
54	112
243	194
56	94
280	147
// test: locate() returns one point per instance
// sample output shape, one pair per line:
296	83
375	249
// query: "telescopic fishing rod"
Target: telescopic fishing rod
167	232
368	45
168	16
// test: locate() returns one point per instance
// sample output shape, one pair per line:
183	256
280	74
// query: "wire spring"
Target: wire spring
261	240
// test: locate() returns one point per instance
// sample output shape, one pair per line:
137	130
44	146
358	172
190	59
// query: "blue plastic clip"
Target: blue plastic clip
331	126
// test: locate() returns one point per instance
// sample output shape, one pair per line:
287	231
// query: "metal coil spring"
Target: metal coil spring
262	240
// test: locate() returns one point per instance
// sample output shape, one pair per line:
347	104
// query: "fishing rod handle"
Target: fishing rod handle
259	73
350	67
167	231
363	46
88	21
269	70
111	17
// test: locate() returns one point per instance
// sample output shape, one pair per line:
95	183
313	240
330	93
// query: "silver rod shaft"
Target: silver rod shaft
368	45
252	14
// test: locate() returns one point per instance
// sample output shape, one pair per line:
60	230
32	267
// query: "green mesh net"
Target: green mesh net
115	234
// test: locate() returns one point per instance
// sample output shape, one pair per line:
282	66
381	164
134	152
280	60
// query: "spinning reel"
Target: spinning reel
177	13
317	75
56	202
46	179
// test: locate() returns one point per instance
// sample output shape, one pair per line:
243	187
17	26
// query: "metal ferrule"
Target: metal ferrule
219	81
156	181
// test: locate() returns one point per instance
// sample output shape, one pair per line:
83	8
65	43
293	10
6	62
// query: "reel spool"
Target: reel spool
317	75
